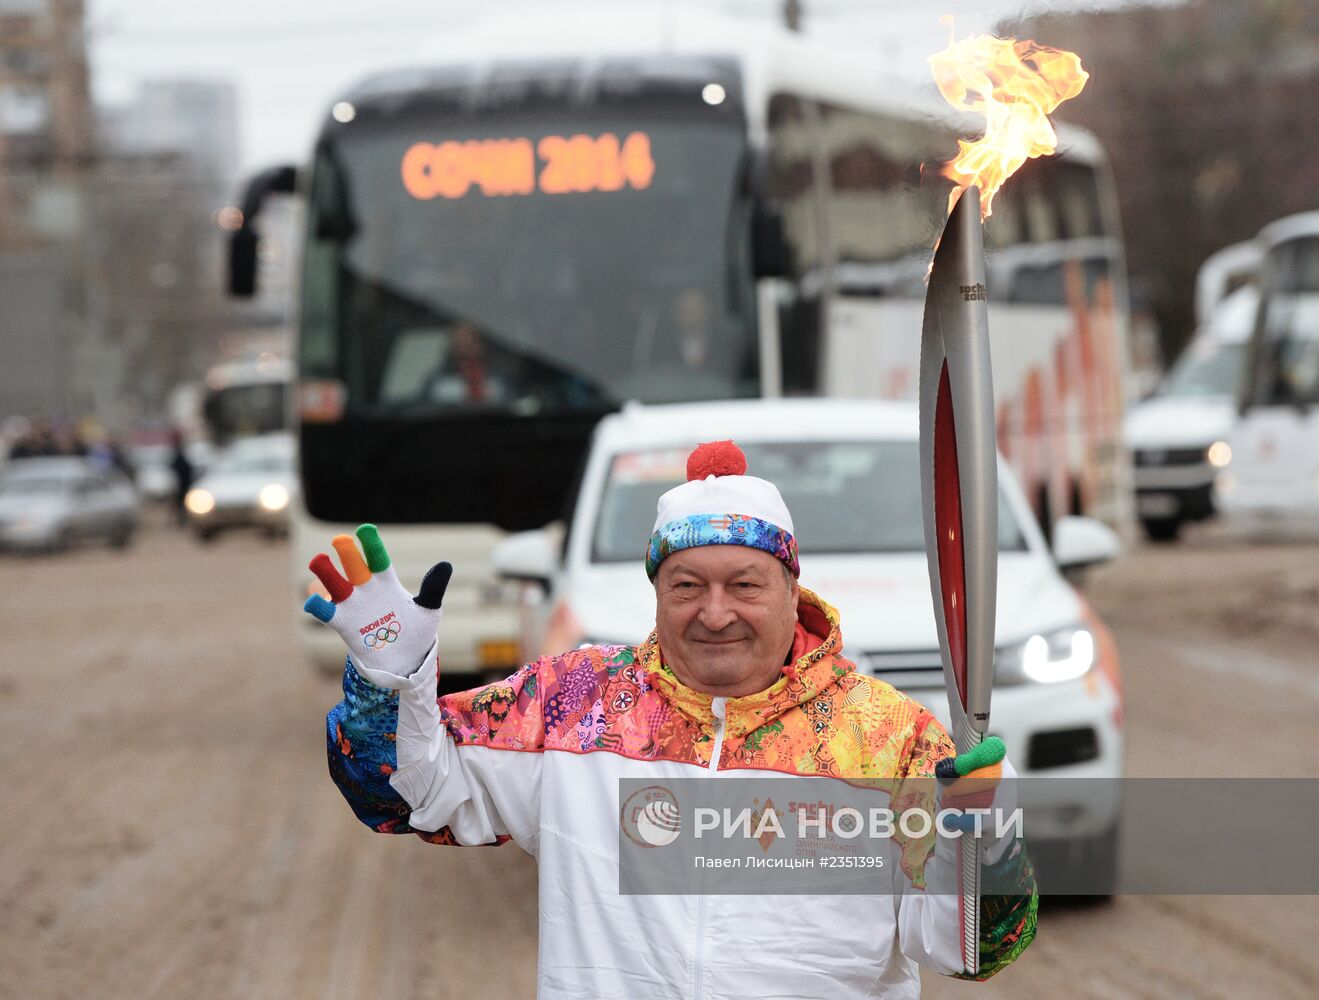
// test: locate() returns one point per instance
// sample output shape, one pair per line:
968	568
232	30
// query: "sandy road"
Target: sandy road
168	829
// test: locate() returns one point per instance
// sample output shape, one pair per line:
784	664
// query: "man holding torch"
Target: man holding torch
744	674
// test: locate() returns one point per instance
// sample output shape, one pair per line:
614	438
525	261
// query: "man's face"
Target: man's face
725	616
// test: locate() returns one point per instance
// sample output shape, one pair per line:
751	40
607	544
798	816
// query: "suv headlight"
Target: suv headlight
1061	655
273	497
1219	454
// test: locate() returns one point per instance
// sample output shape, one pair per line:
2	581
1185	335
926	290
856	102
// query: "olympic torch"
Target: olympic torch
959	487
1015	85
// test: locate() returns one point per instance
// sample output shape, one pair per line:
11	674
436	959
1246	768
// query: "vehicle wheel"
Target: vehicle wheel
61	542
1078	872
122	538
206	535
1098	861
1161	529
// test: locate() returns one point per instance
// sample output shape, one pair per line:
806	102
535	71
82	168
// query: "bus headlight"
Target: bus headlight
273	497
1061	655
1219	454
199	502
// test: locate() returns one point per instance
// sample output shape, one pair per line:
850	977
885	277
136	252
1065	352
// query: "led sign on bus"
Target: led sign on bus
557	165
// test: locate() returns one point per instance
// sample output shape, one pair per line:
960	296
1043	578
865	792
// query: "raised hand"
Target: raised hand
384	627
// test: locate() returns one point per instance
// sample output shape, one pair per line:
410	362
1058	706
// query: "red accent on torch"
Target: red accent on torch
948	525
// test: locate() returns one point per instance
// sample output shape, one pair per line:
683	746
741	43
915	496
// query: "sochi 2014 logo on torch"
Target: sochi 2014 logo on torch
381	632
650	817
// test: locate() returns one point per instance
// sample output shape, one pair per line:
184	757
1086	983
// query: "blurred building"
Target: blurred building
193	120
166	168
45	152
111	244
1205	110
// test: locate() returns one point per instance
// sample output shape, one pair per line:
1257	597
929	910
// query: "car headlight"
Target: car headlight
199	502
1061	655
33	524
1219	454
273	497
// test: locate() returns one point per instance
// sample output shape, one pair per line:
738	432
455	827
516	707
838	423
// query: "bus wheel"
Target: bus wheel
1162	529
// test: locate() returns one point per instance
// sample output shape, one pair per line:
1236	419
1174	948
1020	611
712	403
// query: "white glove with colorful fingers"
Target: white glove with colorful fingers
384	627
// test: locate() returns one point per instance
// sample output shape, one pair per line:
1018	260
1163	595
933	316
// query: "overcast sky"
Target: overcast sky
289	58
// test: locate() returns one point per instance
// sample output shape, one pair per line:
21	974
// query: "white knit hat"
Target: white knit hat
721	505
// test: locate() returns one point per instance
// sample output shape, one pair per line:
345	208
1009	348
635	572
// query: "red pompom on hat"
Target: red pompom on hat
716	458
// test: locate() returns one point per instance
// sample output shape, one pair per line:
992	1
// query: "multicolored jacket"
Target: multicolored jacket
537	759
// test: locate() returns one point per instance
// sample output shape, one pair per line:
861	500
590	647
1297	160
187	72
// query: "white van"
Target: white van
1272	480
1178	436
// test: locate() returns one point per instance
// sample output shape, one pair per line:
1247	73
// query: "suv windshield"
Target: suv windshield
1206	369
845	497
255	462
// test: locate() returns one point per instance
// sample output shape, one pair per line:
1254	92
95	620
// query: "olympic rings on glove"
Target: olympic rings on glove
381	636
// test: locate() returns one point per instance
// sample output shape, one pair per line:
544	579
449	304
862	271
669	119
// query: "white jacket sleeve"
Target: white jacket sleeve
447	769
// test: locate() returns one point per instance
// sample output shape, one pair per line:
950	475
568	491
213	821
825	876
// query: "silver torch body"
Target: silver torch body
959	485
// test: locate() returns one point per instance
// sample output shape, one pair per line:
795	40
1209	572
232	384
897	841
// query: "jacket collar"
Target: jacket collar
806	678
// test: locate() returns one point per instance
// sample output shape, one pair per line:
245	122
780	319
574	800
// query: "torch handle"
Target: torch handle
969	862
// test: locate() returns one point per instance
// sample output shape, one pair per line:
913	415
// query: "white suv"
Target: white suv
1179	437
849	473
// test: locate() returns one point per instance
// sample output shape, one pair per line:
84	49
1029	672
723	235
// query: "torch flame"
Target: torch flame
1015	85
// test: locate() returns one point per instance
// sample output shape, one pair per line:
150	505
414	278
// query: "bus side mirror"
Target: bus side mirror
243	241
771	256
242	262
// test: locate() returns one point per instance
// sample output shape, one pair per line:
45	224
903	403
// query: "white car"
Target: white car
53	503
1179	437
849	472
250	485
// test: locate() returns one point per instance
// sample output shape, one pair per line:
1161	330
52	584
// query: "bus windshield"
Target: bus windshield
529	265
245	409
1286	368
483	282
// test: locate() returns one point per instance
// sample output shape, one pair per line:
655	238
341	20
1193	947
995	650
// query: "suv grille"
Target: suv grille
906	668
1062	747
1159	457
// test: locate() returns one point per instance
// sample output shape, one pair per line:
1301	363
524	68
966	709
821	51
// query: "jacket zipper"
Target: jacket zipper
718	707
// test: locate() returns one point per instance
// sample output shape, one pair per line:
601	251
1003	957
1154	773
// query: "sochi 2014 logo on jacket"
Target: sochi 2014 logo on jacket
381	632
